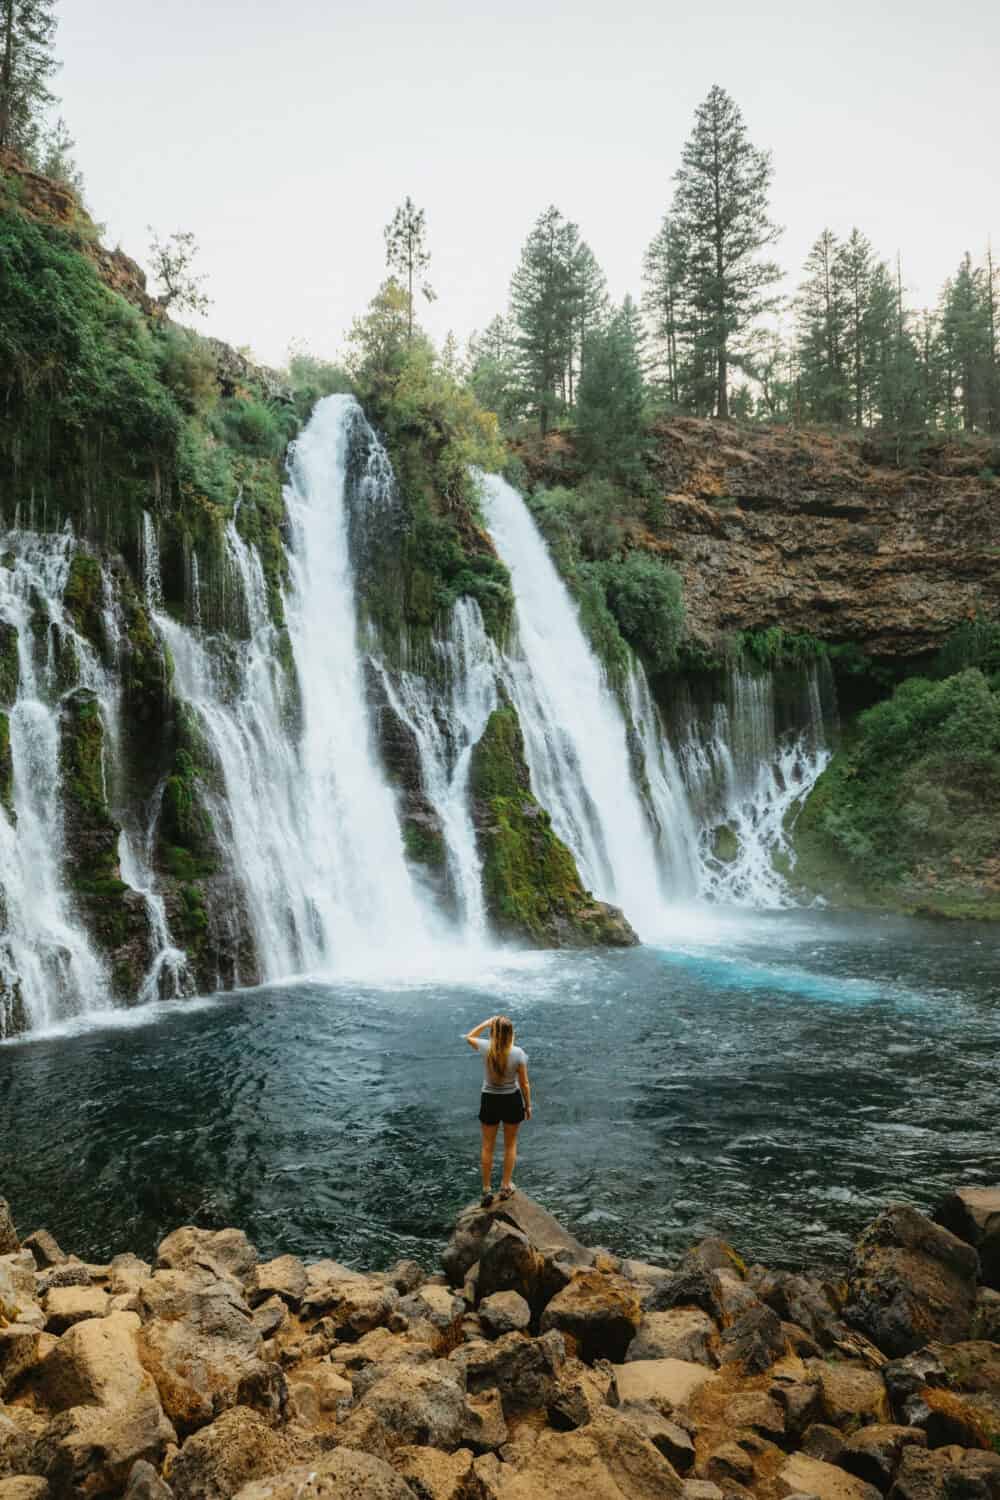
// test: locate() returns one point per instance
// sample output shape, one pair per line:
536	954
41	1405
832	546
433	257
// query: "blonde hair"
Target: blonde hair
501	1041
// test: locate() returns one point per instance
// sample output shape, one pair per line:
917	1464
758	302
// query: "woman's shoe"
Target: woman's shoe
507	1192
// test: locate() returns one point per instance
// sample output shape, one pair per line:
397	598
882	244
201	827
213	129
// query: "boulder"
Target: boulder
126	1274
874	1453
668	1384
509	1262
210	1303
283	1277
9	1242
680	1333
946	1474
238	1447
758	1412
91	1450
145	1484
693	1285
755	1340
801	1475
17	1291
672	1441
973	1214
986	1316
484	1427
950	1391
96	1363
199	1376
822	1441
544	1234
504	1312
800	1401
70	1273
18	1352
600	1312
45	1249
798	1299
269	1316
24	1487
66	1305
433	1304
608	1459
850	1394
433	1475
910	1281
416	1404
226	1252
525	1371
355	1303
341	1475
332	1393
582	1391
729	1462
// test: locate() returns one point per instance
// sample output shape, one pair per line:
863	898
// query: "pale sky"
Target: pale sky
284	135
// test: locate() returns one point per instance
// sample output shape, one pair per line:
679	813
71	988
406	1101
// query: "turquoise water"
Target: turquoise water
775	1078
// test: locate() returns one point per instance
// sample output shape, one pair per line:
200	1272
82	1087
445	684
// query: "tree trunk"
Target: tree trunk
7	74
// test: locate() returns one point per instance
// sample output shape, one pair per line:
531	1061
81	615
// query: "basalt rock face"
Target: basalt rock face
798	529
208	1375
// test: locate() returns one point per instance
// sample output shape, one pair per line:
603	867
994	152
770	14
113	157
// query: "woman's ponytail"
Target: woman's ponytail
501	1041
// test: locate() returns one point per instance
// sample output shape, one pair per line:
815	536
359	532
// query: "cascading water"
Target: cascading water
575	733
746	779
48	967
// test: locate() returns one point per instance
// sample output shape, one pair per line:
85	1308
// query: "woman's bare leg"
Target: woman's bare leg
509	1153
486	1155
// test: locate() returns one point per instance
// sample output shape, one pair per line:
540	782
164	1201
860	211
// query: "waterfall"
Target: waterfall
746	779
575	733
48	967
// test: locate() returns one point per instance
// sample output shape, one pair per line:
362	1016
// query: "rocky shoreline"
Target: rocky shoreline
531	1367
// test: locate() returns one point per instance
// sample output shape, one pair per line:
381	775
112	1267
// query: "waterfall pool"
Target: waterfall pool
773	1077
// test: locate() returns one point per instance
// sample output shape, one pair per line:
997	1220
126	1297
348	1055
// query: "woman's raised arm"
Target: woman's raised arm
470	1036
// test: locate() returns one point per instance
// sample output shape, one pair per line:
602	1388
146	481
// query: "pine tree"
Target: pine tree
991	296
857	269
589	292
609	410
823	315
965	336
27	33
541	303
492	372
406	253
662	274
720	218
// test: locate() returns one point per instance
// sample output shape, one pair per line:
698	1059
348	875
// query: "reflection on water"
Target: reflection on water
775	1079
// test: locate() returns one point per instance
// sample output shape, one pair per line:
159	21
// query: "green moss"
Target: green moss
423	845
191	921
6	767
187	842
10	670
83	753
82	598
531	885
907	815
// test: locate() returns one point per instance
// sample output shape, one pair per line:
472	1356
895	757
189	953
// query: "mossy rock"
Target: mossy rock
10	668
82	598
188	847
83	754
6	767
531	884
725	844
424	844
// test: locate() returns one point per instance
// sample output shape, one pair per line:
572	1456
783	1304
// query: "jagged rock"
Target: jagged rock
729	1462
283	1277
544	1234
909	1281
681	1333
437	1305
973	1214
986	1315
759	1412
525	1371
9	1242
504	1312
797	1299
18	1352
811	1476
90	1450
356	1303
24	1487
45	1249
145	1484
433	1475
406	1276
946	1474
415	1404
330	1391
96	1363
609	1458
341	1475
582	1391
822	1441
66	1305
508	1262
238	1447
224	1252
695	1285
600	1312
203	1367
668	1384
17	1291
755	1340
671	1440
126	1274
874	1453
800	1400
849	1393
72	1273
952	1391
270	1316
484	1427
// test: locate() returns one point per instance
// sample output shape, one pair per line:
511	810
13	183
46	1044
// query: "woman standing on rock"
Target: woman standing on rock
506	1098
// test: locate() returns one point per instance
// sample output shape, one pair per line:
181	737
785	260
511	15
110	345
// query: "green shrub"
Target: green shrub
646	598
187	368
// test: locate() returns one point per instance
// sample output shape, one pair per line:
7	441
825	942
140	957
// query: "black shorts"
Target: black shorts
505	1108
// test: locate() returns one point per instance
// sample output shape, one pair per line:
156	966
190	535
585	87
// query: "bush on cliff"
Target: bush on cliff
909	812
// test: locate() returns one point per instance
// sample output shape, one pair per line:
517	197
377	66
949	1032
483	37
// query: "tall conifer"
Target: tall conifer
27	35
